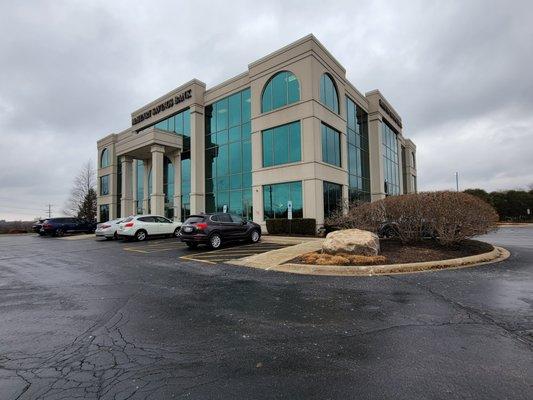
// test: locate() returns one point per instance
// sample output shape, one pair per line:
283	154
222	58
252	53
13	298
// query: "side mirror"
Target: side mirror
244	222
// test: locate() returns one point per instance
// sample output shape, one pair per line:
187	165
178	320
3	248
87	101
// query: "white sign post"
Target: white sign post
225	208
289	209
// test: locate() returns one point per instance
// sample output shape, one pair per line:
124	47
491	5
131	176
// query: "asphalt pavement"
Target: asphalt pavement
96	319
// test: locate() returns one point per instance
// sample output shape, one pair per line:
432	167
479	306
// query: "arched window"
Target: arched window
282	89
328	93
104	158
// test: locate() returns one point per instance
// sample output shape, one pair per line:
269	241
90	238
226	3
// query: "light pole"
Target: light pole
457	181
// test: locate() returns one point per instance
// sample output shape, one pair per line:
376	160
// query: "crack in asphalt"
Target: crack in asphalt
528	341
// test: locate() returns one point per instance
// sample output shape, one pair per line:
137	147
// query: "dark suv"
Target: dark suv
60	226
214	229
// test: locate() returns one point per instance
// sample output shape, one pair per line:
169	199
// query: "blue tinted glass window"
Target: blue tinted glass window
222	114
104	185
234	104
104	213
235	158
275	198
282	89
331	150
328	93
235	134
332	198
104	159
268	154
246	105
281	140
282	144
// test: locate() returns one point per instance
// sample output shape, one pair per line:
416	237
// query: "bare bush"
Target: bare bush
458	216
450	217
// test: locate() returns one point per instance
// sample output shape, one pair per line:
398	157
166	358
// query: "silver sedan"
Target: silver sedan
108	229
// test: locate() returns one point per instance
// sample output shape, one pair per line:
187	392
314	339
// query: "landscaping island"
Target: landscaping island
408	233
392	251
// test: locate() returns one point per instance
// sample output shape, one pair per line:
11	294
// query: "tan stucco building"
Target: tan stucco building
290	132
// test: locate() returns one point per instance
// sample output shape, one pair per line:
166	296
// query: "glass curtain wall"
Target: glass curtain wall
358	161
228	155
275	198
391	166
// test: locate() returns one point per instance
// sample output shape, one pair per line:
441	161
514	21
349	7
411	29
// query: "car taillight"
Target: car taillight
128	225
201	226
47	226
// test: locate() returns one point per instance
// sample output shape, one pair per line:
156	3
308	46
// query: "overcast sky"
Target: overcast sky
460	73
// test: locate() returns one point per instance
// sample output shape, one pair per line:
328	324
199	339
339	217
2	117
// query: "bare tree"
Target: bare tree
83	186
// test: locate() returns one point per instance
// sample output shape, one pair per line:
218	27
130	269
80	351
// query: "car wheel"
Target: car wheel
60	232
141	235
177	232
255	236
191	245
215	241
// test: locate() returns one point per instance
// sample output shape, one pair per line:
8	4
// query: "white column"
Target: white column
157	198
126	202
176	162
134	184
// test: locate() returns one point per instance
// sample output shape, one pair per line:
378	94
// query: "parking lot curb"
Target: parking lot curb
277	260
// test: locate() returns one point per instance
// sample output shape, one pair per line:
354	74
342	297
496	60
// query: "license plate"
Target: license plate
187	229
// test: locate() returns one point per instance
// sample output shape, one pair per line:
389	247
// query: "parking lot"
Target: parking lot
230	251
93	319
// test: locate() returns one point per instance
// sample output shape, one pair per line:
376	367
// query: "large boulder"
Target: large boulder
351	241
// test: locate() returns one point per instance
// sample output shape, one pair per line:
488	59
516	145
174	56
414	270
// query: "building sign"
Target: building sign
289	209
390	113
179	98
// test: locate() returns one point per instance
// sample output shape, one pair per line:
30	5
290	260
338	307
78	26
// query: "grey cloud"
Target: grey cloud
458	72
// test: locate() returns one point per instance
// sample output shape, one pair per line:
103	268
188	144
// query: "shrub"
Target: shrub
449	216
298	226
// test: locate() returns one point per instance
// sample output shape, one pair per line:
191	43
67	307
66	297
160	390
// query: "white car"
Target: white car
108	229
141	227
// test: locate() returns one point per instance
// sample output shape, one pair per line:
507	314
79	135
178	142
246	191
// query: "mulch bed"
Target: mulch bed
397	253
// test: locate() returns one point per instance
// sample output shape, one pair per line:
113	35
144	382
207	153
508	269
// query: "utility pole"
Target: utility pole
457	181
49	211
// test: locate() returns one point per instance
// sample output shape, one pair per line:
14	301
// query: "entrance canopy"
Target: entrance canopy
138	145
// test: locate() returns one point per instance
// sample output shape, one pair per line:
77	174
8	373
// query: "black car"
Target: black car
60	226
36	227
217	228
391	230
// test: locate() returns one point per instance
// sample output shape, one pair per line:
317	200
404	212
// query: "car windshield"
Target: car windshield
194	220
